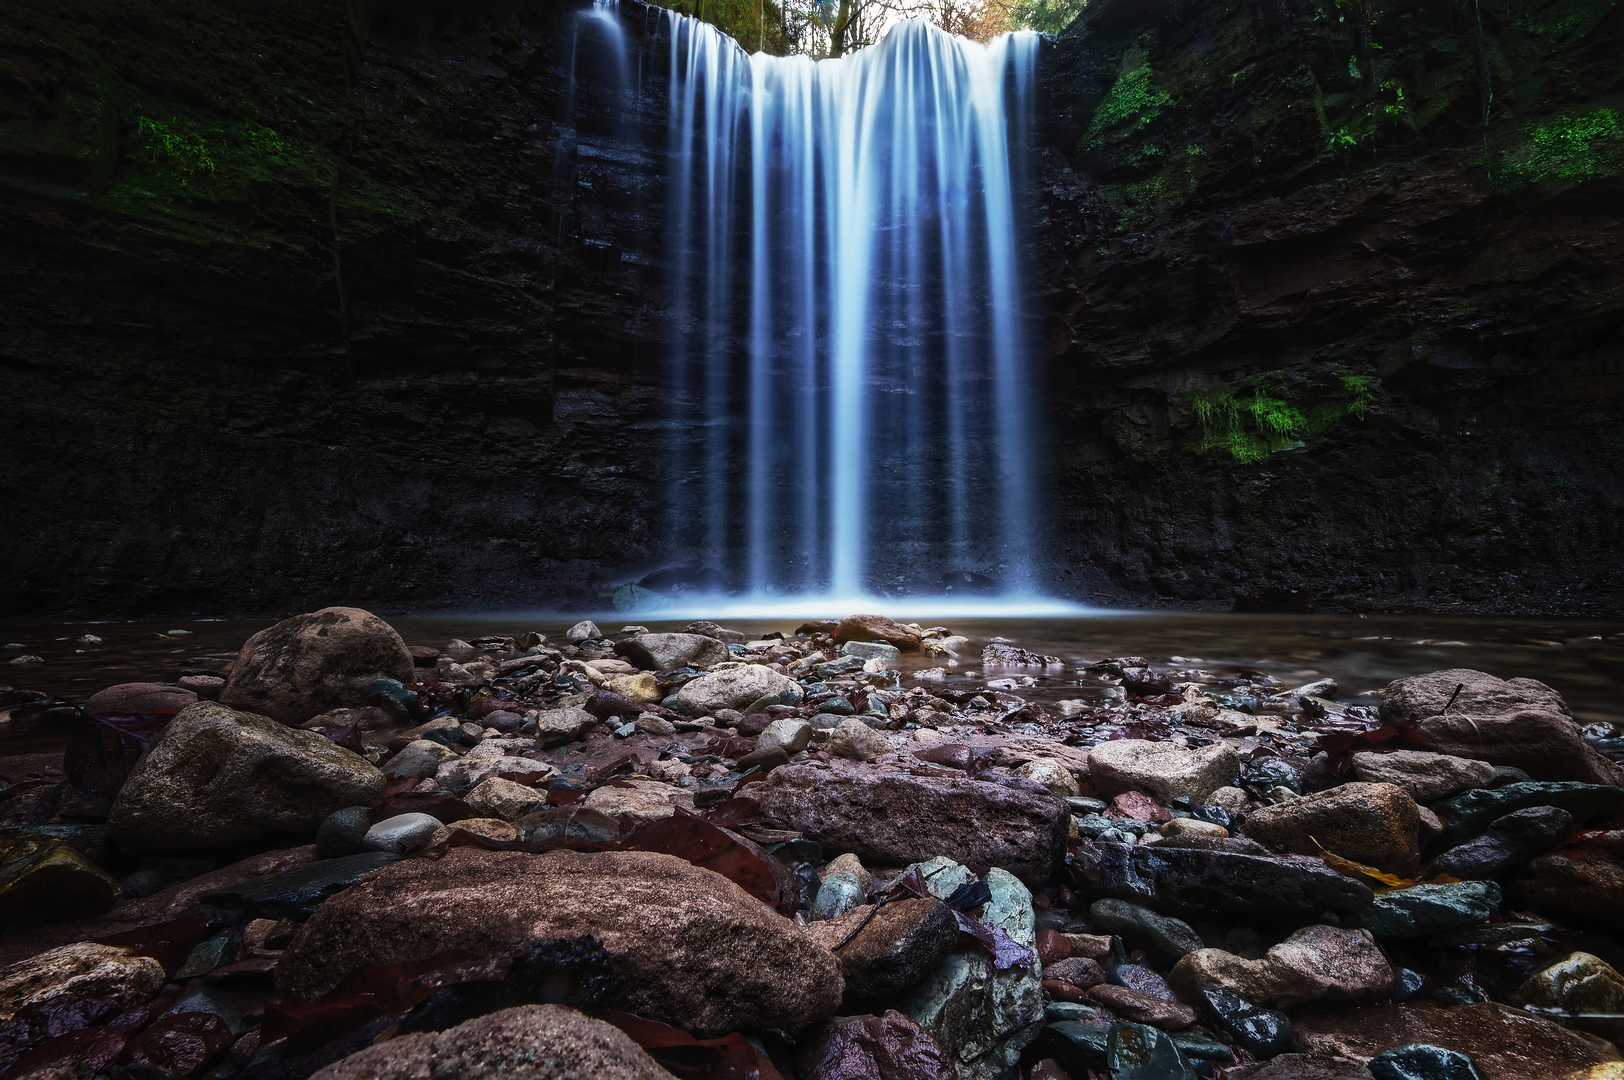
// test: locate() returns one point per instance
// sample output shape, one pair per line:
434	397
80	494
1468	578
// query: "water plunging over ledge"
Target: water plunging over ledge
843	263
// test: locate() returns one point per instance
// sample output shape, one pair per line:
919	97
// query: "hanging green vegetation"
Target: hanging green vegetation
1259	417
164	144
1133	100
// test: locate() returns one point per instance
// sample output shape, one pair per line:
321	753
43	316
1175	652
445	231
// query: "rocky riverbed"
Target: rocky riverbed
623	853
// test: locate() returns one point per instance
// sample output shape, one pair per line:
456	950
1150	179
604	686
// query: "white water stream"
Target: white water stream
842	257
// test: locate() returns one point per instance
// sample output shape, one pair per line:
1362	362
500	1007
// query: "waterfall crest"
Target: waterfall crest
852	383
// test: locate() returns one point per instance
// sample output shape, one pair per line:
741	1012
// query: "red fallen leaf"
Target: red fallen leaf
348	737
169	943
103	749
753	778
181	1044
729	1058
97	1047
366	993
26	785
1340	746
734	748
1172	698
567	796
698	841
734	812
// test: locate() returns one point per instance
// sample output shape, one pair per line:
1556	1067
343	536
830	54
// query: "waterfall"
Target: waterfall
850	376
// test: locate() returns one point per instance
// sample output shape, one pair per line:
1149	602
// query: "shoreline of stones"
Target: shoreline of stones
639	854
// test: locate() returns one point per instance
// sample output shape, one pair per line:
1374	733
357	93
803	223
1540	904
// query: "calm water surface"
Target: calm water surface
1581	658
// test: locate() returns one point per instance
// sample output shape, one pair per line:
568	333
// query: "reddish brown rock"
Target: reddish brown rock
310	664
1583	881
1369	823
1137	806
895	818
1078	971
138	697
688	946
1519	722
889	1047
899	946
1052	946
180	1044
533	1042
876	628
1315	964
1504	1043
1142	1008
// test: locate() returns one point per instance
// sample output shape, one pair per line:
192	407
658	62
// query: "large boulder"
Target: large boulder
687	946
877	628
665	652
215	776
532	1042
1316	964
1504	1043
84	969
897	818
1164	770
138	697
1518	722
309	664
1369	823
732	688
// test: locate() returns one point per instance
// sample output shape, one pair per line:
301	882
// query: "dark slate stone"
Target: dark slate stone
1430	909
1469	814
295	894
1509	842
1263	1033
1422	1061
1205	884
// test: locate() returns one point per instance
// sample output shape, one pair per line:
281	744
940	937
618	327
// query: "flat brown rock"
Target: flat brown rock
892	819
688	946
1504	1043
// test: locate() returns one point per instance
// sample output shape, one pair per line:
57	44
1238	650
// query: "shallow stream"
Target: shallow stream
1582	658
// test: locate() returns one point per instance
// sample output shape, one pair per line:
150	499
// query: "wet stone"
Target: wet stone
342	832
1263	1033
1137	1052
1509	842
1421	1061
399	833
888	1047
44	880
1203	884
839	893
1430	909
1170	938
296	893
1470	814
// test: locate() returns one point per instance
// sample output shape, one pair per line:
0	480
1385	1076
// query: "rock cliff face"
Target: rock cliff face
1336	298
307	304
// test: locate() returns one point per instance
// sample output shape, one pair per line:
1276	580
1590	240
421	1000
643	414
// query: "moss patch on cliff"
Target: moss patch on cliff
1250	420
203	121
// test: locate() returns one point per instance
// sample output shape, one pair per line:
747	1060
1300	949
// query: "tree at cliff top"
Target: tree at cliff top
831	28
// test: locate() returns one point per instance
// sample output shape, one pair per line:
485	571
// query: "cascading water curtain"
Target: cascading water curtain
851	374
